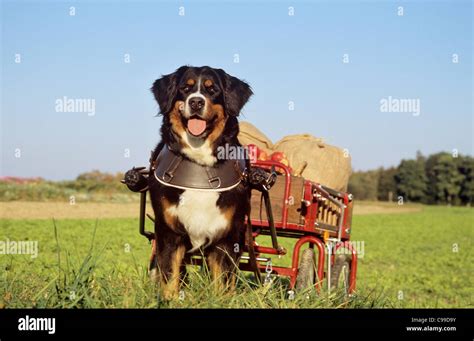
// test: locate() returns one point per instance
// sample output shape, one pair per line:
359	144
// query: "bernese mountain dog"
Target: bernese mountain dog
199	199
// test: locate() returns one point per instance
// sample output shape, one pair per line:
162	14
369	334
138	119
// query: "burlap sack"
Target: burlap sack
326	164
249	134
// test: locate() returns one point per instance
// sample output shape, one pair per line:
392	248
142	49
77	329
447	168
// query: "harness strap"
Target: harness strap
168	175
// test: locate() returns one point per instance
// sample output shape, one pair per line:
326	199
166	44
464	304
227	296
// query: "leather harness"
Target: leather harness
174	170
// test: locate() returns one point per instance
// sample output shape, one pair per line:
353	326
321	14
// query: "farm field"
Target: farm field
414	256
93	210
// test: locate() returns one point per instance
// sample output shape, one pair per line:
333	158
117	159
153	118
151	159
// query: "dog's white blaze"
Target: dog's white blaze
202	154
200	216
187	108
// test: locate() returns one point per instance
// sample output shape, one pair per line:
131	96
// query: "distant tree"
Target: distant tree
97	181
444	178
420	157
439	178
386	183
95	175
411	180
363	185
466	169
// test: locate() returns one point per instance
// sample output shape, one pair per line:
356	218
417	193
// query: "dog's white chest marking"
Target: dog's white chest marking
201	217
201	154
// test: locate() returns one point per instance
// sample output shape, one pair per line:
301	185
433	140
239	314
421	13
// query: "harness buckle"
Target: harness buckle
213	180
167	176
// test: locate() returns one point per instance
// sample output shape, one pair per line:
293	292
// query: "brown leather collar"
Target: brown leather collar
174	170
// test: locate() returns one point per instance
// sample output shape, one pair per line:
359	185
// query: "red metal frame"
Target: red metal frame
296	256
345	235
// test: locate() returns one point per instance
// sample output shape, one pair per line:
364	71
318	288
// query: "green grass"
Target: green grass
412	256
408	262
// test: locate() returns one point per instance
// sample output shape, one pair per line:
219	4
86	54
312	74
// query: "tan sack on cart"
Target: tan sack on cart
326	164
249	134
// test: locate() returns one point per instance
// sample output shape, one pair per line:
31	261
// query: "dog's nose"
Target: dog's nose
196	103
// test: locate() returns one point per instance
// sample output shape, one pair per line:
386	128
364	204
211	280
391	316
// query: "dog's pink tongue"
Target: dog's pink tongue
196	126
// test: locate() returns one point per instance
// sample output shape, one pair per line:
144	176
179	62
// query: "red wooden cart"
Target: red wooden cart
315	216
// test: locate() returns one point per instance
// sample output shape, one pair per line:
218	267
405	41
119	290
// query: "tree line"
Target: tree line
441	178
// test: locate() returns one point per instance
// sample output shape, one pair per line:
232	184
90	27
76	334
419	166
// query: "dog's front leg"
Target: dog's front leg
170	265
222	261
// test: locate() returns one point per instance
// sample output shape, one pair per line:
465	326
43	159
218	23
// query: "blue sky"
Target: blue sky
285	58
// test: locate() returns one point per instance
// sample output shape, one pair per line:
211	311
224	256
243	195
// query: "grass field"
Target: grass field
420	257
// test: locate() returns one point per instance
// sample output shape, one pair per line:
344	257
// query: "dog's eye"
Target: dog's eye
186	88
211	89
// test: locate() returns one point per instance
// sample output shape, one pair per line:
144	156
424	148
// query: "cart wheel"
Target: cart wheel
340	272
306	270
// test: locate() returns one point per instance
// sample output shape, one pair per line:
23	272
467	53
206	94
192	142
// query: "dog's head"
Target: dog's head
198	102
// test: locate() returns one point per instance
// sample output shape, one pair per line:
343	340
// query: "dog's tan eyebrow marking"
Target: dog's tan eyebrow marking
190	82
208	83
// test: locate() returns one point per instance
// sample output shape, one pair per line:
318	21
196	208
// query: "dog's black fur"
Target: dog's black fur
224	103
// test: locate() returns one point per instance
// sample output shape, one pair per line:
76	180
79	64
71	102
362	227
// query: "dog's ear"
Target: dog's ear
236	93
165	89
